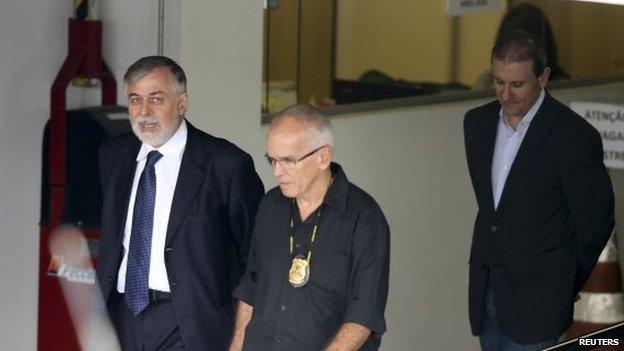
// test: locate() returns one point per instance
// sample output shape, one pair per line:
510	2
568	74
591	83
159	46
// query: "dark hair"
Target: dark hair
531	19
519	46
147	64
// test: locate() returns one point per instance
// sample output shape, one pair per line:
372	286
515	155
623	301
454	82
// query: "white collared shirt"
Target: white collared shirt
167	169
508	142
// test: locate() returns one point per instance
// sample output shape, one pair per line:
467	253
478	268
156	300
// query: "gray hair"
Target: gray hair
311	118
147	64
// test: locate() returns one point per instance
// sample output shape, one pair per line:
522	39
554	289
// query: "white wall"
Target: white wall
33	45
411	161
220	50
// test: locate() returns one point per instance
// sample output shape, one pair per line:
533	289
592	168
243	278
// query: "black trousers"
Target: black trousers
154	329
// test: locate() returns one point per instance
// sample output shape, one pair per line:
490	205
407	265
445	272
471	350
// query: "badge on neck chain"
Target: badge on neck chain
299	272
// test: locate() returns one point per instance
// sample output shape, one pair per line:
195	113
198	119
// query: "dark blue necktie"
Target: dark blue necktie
137	273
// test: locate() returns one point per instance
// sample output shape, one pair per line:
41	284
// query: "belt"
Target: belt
157	295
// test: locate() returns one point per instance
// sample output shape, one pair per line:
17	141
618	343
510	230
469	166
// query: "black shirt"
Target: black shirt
348	270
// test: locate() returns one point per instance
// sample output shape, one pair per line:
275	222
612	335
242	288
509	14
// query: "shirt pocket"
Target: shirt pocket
330	271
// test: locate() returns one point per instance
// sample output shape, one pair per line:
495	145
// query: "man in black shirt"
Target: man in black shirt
317	274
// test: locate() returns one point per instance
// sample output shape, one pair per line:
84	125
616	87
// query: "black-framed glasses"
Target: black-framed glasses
289	162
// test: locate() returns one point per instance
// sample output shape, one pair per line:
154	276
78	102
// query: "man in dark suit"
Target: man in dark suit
545	203
178	211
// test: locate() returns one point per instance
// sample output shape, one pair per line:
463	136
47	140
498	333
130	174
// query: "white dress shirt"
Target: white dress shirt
508	142
167	169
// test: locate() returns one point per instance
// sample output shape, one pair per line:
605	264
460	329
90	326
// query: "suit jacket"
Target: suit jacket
554	217
208	235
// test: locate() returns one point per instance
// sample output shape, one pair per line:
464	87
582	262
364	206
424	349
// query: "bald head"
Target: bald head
304	121
299	148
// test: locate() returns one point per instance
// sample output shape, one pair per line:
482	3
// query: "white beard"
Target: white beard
153	139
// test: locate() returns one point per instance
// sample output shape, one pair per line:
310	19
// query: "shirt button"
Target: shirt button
283	308
493	228
278	340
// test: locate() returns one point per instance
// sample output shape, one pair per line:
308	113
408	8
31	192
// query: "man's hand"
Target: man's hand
243	315
350	337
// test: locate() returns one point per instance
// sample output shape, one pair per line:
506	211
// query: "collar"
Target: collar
336	196
174	147
528	117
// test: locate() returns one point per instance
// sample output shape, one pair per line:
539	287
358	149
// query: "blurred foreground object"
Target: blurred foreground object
71	264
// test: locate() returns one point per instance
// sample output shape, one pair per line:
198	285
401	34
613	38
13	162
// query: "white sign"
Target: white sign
609	121
462	7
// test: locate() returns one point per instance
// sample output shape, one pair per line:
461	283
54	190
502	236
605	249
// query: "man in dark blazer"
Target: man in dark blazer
178	211
545	203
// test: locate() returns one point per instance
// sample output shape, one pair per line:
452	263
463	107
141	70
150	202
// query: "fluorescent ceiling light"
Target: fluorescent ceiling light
612	2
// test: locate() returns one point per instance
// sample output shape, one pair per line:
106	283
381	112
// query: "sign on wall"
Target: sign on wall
608	119
462	7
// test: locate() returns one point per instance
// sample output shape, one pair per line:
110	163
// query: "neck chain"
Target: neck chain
299	272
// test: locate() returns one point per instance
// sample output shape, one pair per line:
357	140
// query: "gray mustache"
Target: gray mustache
146	119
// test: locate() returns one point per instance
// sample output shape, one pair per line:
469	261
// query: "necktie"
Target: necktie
137	273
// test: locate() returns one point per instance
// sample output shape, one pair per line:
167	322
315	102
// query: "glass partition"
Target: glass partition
337	52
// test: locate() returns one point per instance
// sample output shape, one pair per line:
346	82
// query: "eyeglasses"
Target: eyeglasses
289	162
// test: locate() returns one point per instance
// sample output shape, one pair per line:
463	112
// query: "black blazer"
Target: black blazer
554	217
212	215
